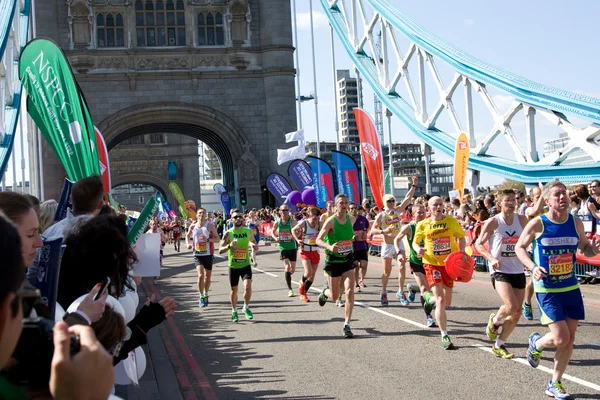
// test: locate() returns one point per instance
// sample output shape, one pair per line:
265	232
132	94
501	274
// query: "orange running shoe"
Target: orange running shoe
305	298
302	289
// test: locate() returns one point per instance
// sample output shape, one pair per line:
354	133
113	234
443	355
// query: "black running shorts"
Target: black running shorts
517	281
335	270
205	261
289	254
417	268
361	255
236	273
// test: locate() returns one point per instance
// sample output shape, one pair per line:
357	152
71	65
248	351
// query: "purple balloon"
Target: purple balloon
308	197
295	197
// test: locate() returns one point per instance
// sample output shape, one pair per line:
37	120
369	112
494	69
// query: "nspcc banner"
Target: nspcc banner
322	181
461	160
346	172
57	108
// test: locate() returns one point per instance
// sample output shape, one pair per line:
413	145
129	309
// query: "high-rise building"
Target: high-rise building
578	156
347	99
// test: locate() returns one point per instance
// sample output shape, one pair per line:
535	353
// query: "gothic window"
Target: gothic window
109	30
160	22
239	24
80	29
210	29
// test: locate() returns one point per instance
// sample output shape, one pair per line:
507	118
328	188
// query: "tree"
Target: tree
511	184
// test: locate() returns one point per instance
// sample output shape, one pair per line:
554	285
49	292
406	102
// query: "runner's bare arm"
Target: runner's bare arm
274	232
189	233
587	248
297	230
409	195
215	235
327	227
486	232
533	228
376	223
403	232
224	245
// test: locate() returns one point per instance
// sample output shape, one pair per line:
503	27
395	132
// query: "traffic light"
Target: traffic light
243	199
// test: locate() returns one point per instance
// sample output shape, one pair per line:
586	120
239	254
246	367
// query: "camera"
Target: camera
33	354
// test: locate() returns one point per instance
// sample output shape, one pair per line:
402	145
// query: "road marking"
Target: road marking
523	361
268	273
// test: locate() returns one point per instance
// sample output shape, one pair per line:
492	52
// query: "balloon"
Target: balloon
110	302
59	313
309	197
121	377
469	250
295	197
457	270
140	361
128	307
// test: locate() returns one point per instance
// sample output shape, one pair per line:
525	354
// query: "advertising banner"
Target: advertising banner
65	201
322	181
280	188
142	222
301	174
226	202
176	190
371	151
461	160
103	162
47	274
347	177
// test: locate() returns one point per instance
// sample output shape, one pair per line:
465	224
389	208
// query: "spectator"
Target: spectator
20	211
47	214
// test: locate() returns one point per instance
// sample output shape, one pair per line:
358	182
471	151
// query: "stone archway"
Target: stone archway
162	185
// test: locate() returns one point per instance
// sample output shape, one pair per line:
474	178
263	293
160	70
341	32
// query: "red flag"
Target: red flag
103	160
371	151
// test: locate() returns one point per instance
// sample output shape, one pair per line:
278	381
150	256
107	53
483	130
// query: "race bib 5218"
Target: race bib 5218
285	236
441	246
561	264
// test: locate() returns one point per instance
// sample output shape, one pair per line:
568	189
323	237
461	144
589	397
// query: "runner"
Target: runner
336	237
282	233
557	236
254	225
176	229
416	264
388	224
153	228
508	276
203	234
305	233
534	211
438	233
330	211
360	224
236	241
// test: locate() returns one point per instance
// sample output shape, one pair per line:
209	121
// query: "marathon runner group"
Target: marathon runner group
540	238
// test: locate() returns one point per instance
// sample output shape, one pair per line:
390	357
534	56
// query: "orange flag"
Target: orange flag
461	160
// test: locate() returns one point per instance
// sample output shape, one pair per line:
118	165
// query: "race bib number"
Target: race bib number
311	240
587	223
201	247
239	255
344	247
176	229
507	248
561	264
285	236
441	246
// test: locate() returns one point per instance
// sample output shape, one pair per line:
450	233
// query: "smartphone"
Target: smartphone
103	289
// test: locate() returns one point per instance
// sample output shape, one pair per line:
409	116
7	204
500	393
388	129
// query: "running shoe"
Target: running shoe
533	354
305	298
402	297
358	289
428	307
430	321
339	303
234	316
447	343
248	313
492	330
322	298
412	292
302	289
202	303
347	332
557	390
362	283
502	352
205	300
527	311
291	293
384	299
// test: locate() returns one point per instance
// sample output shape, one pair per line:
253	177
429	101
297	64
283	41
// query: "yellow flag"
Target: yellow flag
461	160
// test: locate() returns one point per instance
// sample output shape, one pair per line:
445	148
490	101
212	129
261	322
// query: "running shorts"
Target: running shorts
289	254
205	261
517	281
313	256
437	274
361	255
335	270
389	251
236	273
417	268
560	306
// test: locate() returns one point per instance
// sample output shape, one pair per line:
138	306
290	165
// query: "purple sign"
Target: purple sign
301	174
280	188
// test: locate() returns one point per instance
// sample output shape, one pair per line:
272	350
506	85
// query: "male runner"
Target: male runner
328	213
438	233
282	233
388	223
534	211
508	276
176	229
305	233
360	224
203	234
236	241
254	224
336	237
557	236
416	264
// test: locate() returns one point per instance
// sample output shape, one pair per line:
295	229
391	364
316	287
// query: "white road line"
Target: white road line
265	272
545	369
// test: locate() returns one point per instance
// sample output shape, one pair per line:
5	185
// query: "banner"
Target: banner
103	161
58	109
322	181
297	136
371	151
190	208
461	159
301	174
65	201
293	153
182	211
130	222
176	190
226	202
46	279
113	203
347	177
160	203
167	206
173	214
280	188
142	221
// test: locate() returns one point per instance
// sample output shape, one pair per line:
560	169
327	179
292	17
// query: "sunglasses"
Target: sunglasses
237	217
285	210
352	208
391	201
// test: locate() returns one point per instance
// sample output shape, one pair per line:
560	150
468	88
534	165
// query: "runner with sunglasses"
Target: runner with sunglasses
305	233
282	233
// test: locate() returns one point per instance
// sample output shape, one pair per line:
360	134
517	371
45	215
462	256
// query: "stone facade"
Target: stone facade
237	97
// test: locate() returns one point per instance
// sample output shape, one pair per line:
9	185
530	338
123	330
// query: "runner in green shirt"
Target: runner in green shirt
282	233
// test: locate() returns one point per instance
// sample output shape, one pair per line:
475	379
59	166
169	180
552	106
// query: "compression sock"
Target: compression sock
307	284
288	279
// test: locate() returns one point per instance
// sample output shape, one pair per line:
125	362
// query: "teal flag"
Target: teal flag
387	182
142	221
58	108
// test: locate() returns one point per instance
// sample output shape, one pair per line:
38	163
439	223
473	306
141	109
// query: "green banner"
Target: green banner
113	203
58	108
387	183
176	190
142	221
182	211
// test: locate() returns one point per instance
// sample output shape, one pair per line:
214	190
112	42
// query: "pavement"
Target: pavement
293	350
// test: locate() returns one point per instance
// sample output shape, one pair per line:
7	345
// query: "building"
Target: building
347	99
408	159
577	157
218	71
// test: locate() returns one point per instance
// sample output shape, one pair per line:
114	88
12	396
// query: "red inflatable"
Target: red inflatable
457	269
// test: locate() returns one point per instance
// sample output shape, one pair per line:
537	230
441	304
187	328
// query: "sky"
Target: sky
545	41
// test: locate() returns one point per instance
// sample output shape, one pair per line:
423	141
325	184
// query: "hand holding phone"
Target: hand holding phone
103	289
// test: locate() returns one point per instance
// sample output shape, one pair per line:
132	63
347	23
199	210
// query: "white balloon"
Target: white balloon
129	307
134	297
121	377
140	360
59	313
